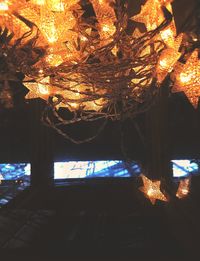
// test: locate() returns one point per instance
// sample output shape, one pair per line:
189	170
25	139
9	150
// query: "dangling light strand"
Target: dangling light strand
95	69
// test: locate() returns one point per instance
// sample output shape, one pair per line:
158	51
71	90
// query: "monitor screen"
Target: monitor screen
183	168
95	169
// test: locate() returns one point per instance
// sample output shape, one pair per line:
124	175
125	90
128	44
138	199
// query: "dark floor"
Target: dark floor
88	234
99	222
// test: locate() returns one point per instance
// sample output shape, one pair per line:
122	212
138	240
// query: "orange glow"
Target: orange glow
50	31
4	6
152	190
187	79
56	5
164	63
44	90
39	89
168	59
106	18
38	2
151	14
68	43
168	35
183	188
54	59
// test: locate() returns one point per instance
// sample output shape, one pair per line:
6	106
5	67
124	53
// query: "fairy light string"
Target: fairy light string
89	64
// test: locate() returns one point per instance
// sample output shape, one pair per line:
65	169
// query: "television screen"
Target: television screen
95	169
13	179
183	168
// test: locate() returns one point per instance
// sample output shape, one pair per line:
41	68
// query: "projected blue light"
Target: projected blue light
92	169
14	171
183	168
13	179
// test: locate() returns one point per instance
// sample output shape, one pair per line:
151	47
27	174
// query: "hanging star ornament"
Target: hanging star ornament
151	13
183	188
150	19
187	78
38	90
151	189
168	59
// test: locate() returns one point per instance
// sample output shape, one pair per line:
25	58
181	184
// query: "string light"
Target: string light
90	65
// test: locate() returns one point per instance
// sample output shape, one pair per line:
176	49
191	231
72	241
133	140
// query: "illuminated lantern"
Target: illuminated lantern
168	59
151	189
106	18
187	78
183	188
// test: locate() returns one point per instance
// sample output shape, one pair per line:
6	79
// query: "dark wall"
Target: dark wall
19	126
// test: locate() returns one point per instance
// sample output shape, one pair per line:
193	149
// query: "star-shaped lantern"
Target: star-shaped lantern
152	16
151	13
183	188
38	90
168	59
187	78
151	189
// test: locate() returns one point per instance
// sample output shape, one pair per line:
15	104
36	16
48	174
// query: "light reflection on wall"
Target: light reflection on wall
92	169
183	168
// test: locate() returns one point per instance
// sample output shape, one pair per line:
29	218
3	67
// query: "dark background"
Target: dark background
105	215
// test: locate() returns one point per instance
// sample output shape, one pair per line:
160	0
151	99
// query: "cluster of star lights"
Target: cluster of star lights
78	55
152	190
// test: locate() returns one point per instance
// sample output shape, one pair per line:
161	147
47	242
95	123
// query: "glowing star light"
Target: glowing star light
168	59
151	189
183	188
187	79
38	90
106	18
151	13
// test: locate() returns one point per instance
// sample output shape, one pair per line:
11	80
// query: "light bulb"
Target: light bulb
56	5
166	34
185	78
54	59
164	63
43	89
105	28
38	2
3	6
150	192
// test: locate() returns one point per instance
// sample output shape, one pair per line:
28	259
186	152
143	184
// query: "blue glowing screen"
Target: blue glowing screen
13	179
14	171
183	168
94	169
